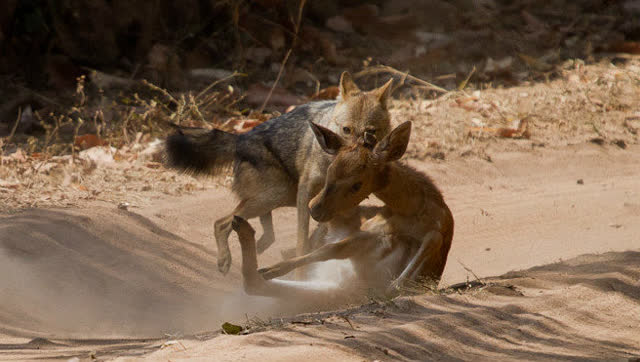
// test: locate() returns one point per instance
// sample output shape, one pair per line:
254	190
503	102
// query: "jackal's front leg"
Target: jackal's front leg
302	203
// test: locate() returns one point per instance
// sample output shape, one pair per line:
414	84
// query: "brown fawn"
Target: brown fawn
409	239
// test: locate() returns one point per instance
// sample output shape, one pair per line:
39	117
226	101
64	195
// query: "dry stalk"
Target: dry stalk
387	69
472	273
213	84
464	83
15	126
161	90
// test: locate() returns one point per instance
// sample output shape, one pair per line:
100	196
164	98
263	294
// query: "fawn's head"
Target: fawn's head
359	112
356	171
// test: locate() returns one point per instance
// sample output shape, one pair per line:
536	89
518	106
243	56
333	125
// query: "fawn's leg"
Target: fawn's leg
430	248
344	249
255	284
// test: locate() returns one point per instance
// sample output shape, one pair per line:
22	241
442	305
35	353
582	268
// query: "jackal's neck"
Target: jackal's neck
406	190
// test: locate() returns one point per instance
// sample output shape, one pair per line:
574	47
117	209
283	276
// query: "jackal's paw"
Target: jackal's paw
224	263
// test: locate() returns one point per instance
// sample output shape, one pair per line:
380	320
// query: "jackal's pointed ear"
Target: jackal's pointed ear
329	141
383	93
347	86
394	145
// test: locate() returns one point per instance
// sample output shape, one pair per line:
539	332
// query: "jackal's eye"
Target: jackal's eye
346	130
356	187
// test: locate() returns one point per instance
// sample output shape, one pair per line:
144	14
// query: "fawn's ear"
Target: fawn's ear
347	86
394	145
383	93
329	141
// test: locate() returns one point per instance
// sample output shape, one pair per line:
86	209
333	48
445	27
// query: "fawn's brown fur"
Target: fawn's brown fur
409	239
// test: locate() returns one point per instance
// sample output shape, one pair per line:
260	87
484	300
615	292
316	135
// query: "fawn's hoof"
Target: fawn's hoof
270	273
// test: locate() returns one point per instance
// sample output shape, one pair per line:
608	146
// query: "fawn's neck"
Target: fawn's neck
403	190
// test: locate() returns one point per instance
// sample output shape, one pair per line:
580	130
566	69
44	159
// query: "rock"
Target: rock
280	98
498	66
362	17
210	73
277	39
632	6
258	55
101	155
340	24
322	40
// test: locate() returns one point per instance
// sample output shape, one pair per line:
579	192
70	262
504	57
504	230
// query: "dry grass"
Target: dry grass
595	103
586	103
117	161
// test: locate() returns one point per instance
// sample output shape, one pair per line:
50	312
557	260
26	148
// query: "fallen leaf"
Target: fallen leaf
630	47
620	143
9	184
519	132
88	140
229	328
328	93
172	344
80	187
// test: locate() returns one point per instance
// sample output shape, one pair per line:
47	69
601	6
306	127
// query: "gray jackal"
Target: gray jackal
279	163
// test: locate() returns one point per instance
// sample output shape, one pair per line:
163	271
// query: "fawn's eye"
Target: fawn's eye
356	187
346	130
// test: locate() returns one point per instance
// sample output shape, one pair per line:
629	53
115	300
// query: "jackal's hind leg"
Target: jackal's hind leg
268	236
259	205
222	229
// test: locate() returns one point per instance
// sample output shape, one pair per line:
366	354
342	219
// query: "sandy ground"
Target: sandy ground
101	282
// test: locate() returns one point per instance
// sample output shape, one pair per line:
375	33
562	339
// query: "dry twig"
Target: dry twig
387	69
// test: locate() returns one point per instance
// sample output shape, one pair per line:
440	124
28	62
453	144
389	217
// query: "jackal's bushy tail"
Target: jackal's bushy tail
200	151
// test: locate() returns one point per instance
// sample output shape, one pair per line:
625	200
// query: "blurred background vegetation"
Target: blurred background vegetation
78	57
